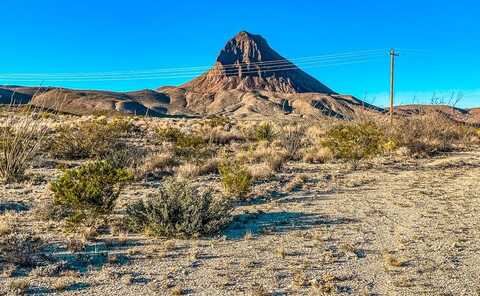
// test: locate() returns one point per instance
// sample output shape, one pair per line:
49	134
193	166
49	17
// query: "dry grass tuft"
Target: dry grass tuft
21	138
20	286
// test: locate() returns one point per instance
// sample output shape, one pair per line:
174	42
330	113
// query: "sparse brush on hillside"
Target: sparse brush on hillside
90	139
89	192
354	141
21	137
179	210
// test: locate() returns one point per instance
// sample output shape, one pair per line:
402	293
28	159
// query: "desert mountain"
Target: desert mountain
248	63
248	79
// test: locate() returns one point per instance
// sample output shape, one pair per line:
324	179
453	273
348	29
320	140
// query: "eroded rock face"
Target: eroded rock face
248	63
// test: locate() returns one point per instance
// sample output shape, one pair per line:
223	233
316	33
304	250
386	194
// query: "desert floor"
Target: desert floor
390	227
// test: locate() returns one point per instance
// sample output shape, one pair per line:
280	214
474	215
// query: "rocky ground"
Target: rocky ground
390	227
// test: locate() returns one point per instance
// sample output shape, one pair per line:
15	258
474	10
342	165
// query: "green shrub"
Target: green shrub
236	179
90	139
89	192
265	132
218	121
178	210
179	138
354	141
169	134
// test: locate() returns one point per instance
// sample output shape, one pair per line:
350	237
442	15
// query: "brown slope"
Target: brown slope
86	102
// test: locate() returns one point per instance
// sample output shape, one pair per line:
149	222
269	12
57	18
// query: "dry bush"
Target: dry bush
89	192
155	164
261	171
295	183
90	139
188	170
20	248
179	210
317	154
218	121
19	287
192	170
292	139
428	134
21	137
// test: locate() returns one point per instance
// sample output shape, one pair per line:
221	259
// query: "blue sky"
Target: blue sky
441	41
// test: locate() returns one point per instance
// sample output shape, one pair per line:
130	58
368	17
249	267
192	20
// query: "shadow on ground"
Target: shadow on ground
277	222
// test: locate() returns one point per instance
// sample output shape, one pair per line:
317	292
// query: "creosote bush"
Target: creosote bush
236	179
354	142
90	139
89	192
179	210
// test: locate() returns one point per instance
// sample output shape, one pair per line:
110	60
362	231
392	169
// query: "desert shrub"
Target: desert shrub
90	139
20	248
217	135
265	132
236	179
126	157
317	154
156	164
354	141
187	145
188	170
261	171
426	135
89	192
21	137
292	140
169	134
178	210
218	121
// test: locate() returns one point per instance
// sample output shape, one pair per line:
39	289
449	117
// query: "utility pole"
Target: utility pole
393	54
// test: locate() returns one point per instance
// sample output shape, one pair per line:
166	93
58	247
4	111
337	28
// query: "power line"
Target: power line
220	73
187	71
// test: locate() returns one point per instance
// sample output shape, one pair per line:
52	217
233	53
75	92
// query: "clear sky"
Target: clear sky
441	41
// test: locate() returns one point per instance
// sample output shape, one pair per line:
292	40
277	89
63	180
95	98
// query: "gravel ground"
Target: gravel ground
389	228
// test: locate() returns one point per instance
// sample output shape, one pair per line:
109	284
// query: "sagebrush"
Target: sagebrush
178	210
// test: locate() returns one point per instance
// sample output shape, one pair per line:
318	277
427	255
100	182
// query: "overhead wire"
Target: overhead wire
185	72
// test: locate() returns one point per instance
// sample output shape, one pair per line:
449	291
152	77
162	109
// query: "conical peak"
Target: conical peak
248	63
246	48
246	36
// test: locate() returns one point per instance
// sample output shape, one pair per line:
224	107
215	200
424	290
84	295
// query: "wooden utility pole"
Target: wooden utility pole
393	54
